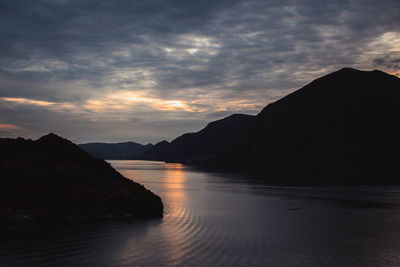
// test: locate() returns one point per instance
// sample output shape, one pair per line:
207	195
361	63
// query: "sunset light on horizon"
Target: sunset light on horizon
148	71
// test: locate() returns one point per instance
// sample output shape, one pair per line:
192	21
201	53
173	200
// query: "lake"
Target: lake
214	219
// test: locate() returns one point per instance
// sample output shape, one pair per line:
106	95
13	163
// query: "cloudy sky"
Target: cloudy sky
153	69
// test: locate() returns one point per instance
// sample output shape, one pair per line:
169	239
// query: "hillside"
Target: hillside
341	128
199	146
52	178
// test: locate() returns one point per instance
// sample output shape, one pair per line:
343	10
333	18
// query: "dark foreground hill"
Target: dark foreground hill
52	178
341	128
200	146
125	150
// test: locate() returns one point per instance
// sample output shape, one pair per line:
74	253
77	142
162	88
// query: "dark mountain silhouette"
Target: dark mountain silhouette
199	146
125	150
52	178
160	152
341	128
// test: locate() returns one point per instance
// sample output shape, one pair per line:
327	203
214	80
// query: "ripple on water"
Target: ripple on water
212	221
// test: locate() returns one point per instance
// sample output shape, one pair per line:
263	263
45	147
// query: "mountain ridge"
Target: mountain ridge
201	145
340	124
121	150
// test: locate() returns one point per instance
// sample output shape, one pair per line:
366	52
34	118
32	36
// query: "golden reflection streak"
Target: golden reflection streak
175	179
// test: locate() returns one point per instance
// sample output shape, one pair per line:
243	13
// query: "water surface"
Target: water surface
224	220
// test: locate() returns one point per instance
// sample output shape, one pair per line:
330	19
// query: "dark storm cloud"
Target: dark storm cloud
210	58
388	62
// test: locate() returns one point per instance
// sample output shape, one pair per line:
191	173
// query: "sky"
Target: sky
150	70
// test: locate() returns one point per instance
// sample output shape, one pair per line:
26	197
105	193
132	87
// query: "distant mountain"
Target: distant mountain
126	150
199	146
160	152
52	178
341	128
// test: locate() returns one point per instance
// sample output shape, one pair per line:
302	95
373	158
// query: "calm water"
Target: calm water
224	220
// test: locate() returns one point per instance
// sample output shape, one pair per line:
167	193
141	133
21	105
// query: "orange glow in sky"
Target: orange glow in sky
123	99
28	101
8	127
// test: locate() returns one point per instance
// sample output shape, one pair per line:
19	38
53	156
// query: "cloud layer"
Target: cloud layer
148	70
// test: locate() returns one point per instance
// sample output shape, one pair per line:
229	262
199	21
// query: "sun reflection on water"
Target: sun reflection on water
174	182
